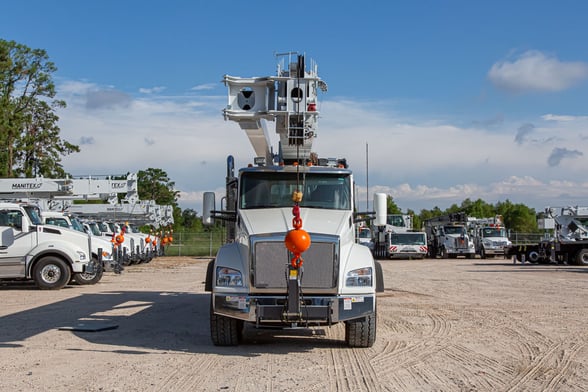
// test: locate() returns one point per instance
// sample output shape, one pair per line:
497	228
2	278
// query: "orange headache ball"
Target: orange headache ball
297	241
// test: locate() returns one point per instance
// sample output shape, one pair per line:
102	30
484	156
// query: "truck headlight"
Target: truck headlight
228	277
82	255
360	277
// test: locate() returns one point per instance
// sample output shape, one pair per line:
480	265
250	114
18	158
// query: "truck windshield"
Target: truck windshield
407	239
34	215
94	229
454	230
274	190
494	232
77	225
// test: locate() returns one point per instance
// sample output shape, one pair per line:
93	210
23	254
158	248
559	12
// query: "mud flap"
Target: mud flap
208	282
379	277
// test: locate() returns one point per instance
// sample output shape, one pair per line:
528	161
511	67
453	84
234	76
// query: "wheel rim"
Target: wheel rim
51	273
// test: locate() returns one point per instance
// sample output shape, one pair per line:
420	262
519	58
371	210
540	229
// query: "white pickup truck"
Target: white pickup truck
50	256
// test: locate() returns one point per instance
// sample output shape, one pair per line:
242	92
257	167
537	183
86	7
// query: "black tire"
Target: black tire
582	257
361	332
533	256
482	253
51	273
444	254
87	278
225	331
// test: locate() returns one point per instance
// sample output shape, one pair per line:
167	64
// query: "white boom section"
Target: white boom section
90	188
290	99
143	212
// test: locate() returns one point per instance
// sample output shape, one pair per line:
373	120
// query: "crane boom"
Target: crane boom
290	99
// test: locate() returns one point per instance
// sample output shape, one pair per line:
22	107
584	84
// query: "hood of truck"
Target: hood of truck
314	220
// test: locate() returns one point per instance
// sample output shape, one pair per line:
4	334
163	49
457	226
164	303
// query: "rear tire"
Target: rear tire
361	332
582	257
225	331
51	273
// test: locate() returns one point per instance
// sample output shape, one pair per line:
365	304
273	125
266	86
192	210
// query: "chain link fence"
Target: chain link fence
195	244
207	244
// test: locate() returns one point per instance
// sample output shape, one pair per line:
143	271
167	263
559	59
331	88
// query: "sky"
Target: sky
430	102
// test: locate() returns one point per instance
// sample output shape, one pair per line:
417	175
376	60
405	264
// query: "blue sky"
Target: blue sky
454	99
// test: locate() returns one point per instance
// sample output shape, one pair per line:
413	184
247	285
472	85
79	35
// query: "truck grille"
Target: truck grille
270	260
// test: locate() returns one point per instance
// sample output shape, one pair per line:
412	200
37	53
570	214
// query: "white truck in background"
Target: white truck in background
48	255
448	236
568	243
407	245
102	249
490	236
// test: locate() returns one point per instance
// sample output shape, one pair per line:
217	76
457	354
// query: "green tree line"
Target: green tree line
517	217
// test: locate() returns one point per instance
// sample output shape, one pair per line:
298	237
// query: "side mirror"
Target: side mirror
6	237
208	206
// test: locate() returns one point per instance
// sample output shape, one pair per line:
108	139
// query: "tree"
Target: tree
154	184
518	217
391	206
29	135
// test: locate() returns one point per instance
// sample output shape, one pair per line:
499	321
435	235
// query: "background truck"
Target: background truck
382	232
407	245
49	255
102	249
448	236
255	278
490	236
568	243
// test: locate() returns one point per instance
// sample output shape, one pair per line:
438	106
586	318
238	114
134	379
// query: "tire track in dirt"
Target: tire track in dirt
396	362
554	363
353	370
193	372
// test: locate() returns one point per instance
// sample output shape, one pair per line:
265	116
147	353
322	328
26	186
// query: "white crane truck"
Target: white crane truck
568	244
448	236
490	236
50	256
255	278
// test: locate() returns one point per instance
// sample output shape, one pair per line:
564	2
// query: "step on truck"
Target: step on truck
291	260
48	255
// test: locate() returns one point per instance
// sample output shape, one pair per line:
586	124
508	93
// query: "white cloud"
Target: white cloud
207	86
536	71
151	90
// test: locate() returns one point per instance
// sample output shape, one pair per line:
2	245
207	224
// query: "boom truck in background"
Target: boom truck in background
397	239
490	236
568	244
291	259
448	236
50	256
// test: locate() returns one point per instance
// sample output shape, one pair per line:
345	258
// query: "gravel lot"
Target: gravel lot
443	325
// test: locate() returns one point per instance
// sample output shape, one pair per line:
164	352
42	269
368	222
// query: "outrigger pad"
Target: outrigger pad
90	326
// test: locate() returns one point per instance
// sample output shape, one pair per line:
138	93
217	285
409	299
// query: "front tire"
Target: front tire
225	331
85	278
51	273
361	332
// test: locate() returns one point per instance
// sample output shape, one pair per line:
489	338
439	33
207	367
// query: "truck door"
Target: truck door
12	258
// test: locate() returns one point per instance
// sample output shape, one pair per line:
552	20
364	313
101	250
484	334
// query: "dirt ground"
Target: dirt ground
443	325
